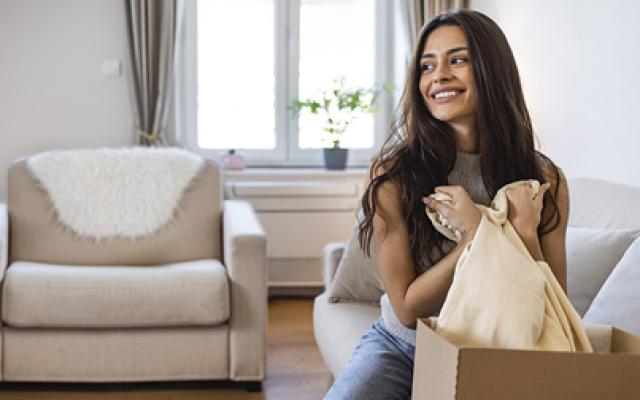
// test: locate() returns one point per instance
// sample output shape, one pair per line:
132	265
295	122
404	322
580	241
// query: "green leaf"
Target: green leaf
340	105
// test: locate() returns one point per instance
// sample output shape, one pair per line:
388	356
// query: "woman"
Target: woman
462	128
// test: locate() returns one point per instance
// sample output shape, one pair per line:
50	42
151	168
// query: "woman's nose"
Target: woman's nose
442	74
442	79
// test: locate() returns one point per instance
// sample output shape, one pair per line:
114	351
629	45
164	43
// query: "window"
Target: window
235	58
246	60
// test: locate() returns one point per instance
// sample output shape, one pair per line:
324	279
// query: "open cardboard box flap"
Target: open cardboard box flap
445	372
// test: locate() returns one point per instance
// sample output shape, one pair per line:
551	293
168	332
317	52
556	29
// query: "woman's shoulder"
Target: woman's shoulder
551	171
553	174
381	172
387	190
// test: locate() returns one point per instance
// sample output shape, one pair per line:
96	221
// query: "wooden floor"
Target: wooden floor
295	370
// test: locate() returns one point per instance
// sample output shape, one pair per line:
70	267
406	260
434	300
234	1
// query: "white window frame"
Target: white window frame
287	152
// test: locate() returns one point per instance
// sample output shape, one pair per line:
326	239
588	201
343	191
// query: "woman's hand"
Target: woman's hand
462	213
524	210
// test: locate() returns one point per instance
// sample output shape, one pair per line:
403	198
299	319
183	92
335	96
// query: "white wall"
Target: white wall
578	60
52	93
580	67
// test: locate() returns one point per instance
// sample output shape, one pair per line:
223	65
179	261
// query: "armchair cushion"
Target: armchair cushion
74	296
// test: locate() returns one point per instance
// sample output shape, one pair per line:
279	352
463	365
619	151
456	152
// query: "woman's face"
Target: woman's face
446	76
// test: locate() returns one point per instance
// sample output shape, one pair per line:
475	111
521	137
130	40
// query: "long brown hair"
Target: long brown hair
420	151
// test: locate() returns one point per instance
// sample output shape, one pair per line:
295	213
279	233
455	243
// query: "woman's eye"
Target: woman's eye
427	67
458	60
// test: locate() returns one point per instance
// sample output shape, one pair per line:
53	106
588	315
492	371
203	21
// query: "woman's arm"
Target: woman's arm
411	296
553	243
525	215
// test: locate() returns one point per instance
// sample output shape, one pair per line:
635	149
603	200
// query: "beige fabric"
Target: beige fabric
36	236
500	297
600	337
51	355
338	327
245	247
183	294
439	222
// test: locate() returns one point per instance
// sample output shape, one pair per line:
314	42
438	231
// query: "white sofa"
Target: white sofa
595	204
188	302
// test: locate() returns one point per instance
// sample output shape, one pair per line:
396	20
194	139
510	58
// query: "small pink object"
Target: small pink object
232	160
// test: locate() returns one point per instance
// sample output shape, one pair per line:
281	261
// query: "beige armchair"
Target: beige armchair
185	303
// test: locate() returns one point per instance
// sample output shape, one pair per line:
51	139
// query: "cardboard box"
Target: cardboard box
445	372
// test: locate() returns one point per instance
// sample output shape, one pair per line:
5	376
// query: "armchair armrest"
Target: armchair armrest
331	255
4	239
245	257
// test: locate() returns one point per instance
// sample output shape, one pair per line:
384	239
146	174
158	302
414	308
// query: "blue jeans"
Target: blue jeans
381	367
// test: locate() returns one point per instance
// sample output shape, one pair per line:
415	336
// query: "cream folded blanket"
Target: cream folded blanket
500	296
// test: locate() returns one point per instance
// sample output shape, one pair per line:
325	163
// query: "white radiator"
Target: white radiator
301	211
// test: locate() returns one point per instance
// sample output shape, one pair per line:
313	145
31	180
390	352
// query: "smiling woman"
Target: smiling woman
462	128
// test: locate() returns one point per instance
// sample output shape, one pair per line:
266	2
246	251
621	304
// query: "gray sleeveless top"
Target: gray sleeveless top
465	173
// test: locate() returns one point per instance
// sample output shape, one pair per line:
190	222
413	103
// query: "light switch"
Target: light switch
112	69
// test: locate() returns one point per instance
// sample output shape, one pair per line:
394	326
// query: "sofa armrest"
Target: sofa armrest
245	257
331	255
4	239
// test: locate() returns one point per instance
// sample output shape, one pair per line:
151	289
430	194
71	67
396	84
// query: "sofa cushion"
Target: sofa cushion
357	277
48	295
618	302
591	256
338	328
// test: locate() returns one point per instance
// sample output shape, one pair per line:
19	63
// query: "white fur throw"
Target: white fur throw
106	193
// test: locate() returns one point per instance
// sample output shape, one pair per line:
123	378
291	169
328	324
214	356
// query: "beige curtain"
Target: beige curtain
151	26
416	13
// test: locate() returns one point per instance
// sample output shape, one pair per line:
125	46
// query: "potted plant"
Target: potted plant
339	106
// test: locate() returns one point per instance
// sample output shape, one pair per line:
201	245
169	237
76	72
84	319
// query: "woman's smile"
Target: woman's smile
446	95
